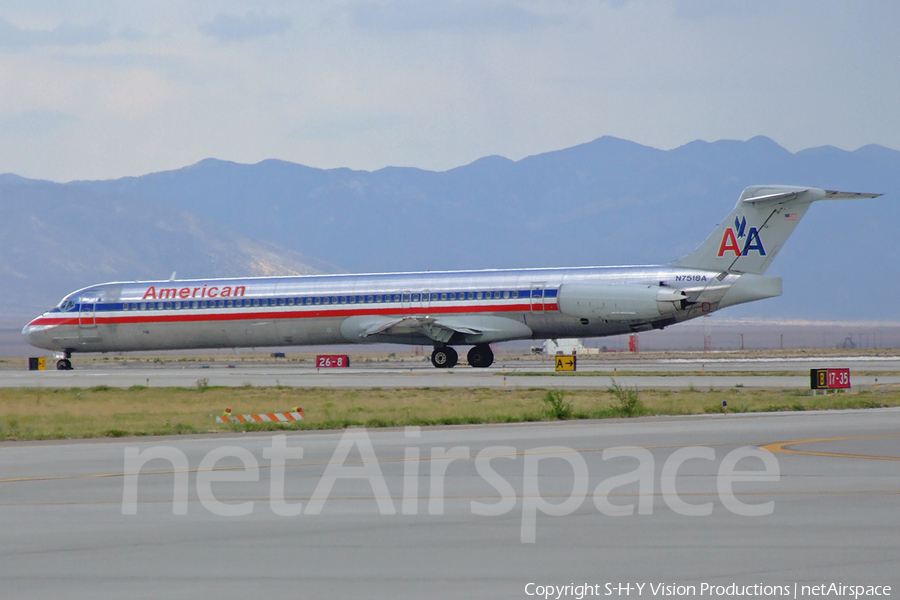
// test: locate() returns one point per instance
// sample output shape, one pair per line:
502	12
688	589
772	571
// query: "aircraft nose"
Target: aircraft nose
35	334
28	331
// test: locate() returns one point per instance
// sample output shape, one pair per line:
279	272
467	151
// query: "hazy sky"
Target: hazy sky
101	89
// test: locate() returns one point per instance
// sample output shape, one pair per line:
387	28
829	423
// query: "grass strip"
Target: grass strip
36	414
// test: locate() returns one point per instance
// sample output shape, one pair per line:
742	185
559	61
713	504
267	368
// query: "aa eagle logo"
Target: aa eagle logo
739	232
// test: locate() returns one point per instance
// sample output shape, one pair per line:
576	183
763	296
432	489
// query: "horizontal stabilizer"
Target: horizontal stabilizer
792	195
833	195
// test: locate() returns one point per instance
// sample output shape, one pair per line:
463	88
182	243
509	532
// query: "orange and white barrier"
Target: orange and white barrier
285	417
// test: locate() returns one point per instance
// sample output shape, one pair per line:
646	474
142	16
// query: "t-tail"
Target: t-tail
751	236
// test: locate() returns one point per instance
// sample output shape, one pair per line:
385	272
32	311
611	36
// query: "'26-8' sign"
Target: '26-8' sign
327	361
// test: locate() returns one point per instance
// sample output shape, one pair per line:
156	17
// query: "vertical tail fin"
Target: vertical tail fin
761	222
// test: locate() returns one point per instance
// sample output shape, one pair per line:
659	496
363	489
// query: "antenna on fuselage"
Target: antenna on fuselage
172	278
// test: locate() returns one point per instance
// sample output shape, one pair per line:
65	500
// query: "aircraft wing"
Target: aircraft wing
439	330
472	328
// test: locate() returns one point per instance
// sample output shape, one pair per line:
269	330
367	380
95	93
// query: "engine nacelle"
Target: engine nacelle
619	302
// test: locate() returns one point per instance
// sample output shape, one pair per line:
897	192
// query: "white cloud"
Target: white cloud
62	35
432	84
460	15
34	122
230	28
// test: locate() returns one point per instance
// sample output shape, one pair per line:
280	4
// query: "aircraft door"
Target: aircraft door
87	317
405	298
537	297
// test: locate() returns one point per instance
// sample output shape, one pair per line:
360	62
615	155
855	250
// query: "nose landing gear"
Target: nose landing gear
64	364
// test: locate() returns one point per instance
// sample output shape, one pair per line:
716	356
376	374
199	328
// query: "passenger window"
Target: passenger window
443	295
506	294
470	296
515	293
290	301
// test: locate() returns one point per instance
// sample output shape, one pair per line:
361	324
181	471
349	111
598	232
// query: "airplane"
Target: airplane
441	309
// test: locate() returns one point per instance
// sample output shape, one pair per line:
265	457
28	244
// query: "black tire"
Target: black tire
444	358
64	364
480	356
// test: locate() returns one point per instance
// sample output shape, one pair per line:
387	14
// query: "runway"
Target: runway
672	374
66	528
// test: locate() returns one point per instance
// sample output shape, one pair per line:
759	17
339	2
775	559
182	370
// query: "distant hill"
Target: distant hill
57	238
609	201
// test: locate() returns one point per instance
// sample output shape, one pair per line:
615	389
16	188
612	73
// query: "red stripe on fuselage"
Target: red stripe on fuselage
187	315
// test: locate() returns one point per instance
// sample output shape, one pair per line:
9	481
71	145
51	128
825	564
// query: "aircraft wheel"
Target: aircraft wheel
481	356
444	358
64	364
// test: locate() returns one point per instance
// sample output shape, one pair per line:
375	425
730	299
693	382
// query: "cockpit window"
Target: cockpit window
66	304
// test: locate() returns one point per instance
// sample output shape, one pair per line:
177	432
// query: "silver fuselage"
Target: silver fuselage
477	307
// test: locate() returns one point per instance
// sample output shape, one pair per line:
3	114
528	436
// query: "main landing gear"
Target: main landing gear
446	357
480	356
64	364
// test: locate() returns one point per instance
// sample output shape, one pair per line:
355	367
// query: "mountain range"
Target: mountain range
609	201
